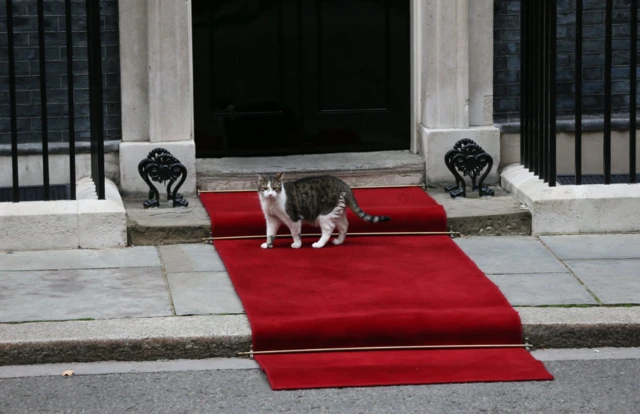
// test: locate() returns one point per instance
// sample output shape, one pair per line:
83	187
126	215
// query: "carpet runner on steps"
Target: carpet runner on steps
372	291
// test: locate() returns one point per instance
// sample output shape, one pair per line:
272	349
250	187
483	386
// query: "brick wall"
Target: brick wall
507	58
27	71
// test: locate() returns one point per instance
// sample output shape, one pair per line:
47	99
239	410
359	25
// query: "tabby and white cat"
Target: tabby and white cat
320	201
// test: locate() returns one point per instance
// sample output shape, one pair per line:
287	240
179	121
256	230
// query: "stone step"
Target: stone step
357	169
500	215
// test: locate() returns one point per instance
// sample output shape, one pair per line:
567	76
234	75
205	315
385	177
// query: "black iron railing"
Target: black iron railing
538	113
95	100
538	88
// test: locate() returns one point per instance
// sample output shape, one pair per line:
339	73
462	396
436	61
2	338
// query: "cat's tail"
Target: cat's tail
353	204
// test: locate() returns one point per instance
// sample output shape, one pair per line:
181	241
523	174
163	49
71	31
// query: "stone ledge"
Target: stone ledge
67	224
573	209
589	123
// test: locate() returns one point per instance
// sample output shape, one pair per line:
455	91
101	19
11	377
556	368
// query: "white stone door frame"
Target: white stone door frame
416	69
451	83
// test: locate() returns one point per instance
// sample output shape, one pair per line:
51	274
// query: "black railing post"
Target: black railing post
523	82
535	154
551	143
12	104
544	145
578	94
94	48
43	102
531	103
541	90
71	102
607	90
633	91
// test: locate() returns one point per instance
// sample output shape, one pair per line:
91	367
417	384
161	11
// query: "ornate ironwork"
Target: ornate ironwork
160	166
470	159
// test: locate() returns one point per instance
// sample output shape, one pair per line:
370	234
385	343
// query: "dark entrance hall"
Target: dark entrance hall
276	77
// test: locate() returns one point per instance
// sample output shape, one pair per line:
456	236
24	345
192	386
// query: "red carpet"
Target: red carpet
371	291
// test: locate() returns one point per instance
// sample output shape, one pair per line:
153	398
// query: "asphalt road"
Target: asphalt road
586	381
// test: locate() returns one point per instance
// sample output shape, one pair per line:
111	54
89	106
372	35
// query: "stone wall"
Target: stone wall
507	57
27	71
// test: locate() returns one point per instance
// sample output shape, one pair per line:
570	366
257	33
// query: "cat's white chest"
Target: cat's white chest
274	207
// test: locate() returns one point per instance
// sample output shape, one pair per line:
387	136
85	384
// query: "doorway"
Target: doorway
278	77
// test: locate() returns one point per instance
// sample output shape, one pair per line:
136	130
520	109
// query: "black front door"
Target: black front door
275	77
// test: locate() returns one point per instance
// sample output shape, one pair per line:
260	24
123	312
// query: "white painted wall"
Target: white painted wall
30	168
592	160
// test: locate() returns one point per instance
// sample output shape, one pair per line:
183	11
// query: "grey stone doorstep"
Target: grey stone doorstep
218	336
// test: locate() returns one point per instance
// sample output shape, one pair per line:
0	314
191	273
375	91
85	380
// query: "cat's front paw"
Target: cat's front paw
317	245
266	246
337	242
296	245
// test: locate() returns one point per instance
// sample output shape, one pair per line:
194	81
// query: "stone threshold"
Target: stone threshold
356	168
574	209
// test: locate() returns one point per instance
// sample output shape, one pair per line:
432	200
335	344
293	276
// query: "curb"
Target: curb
135	339
593	327
223	336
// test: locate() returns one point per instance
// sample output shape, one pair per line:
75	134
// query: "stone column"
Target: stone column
457	82
157	87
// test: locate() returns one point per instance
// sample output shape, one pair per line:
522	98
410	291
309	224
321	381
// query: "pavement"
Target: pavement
176	301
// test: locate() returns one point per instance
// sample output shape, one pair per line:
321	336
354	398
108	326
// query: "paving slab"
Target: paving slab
509	255
612	281
191	258
203	293
538	289
594	246
83	293
80	259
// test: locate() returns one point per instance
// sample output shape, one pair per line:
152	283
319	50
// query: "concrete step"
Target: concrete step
165	224
487	216
357	169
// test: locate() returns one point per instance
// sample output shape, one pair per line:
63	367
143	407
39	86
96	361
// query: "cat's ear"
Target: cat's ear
279	176
260	178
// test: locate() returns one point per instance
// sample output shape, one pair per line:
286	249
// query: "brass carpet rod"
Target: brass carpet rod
400	233
383	348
